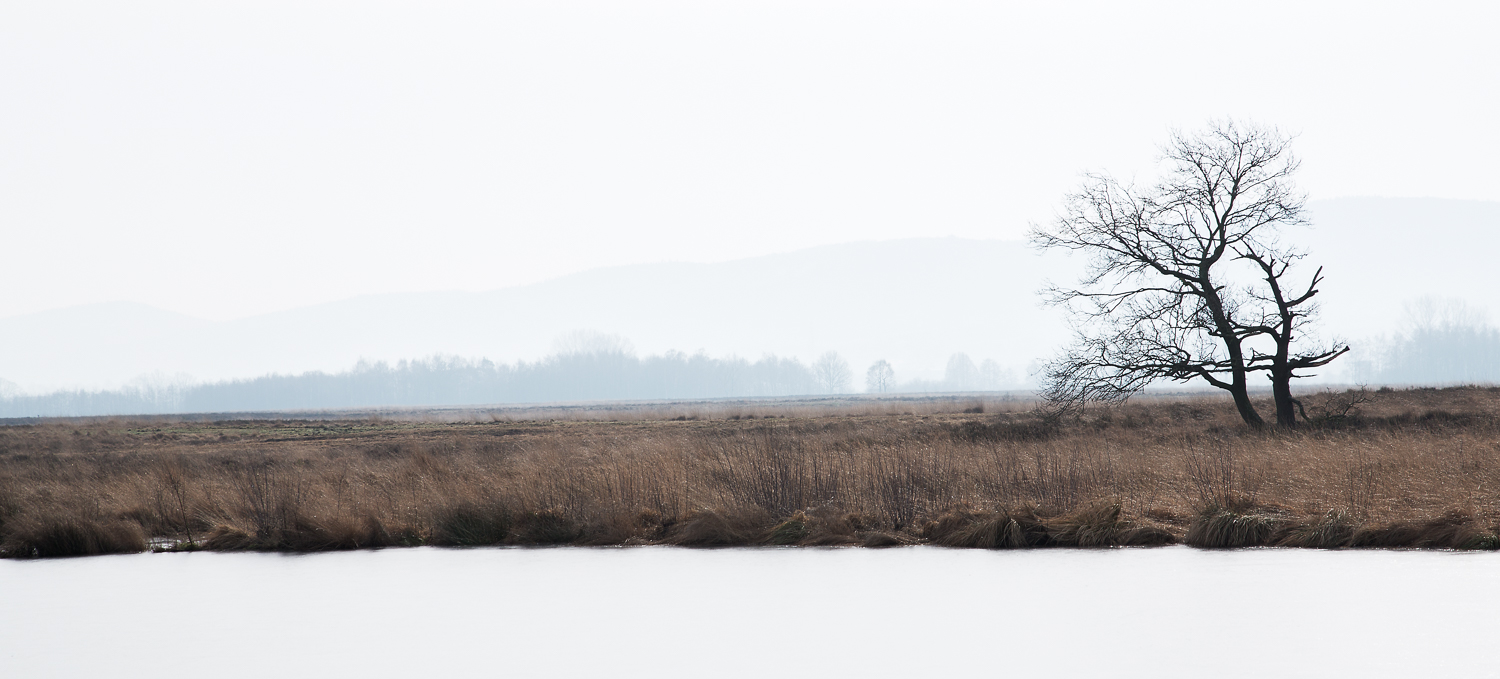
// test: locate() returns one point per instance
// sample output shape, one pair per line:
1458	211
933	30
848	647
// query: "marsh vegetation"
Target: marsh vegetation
1410	468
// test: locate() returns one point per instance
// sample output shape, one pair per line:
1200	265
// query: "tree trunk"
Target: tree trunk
1238	375
1242	403
1286	406
1281	366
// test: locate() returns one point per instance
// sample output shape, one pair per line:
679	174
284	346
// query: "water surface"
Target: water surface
665	612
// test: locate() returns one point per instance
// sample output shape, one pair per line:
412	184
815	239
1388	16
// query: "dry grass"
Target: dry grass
1416	468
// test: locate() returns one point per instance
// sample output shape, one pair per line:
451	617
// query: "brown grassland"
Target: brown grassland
1405	468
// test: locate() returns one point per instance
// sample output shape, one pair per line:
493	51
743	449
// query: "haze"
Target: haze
227	162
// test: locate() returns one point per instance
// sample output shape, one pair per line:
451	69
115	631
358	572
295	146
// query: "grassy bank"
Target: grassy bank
1415	468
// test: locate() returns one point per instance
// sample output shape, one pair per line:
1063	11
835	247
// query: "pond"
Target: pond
800	612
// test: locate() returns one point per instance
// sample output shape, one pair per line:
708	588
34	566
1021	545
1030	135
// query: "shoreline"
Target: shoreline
1411	469
1099	527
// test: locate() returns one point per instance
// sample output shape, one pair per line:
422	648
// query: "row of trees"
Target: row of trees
960	374
580	371
1440	341
577	376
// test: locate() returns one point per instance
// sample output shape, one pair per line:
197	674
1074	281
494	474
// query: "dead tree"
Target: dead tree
1187	280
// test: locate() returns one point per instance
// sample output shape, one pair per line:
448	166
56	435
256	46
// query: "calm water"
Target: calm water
661	612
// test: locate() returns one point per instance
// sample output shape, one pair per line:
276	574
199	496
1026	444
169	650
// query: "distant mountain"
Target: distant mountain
912	302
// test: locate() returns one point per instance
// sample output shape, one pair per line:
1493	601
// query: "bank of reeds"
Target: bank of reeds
1410	469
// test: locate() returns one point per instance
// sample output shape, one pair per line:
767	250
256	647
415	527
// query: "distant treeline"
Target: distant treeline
439	381
1458	355
1429	353
1445	355
1444	343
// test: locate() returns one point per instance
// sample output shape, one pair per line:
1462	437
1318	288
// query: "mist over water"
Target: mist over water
671	612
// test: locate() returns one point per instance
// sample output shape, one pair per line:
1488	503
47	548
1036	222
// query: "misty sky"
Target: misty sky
228	159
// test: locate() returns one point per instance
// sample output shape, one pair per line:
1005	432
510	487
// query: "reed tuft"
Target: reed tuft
1219	527
52	536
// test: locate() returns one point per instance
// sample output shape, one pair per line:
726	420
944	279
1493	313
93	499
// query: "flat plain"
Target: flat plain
1411	468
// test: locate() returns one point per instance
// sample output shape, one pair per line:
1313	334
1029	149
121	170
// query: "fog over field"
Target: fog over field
911	302
914	303
730	199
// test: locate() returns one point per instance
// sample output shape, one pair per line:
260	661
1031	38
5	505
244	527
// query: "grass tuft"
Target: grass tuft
876	538
1098	526
470	525
964	527
1219	527
546	528
55	536
793	530
1453	529
709	528
1332	530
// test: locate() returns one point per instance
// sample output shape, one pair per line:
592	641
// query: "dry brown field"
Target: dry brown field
1390	468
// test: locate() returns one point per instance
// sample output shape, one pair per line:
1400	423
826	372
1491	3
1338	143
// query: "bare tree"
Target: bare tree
961	374
880	378
1187	279
579	342
833	373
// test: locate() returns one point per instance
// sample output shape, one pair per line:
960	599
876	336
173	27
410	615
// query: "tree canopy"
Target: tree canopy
1188	278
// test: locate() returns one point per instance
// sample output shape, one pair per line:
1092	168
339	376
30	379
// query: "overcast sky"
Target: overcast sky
227	159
